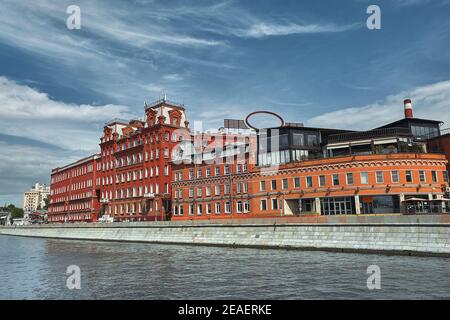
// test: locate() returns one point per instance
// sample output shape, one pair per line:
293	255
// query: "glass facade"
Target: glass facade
424	132
379	204
337	206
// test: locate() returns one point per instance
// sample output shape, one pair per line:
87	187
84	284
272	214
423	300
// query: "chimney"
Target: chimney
408	108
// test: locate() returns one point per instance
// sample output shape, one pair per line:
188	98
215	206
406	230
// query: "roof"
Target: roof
409	120
165	102
76	163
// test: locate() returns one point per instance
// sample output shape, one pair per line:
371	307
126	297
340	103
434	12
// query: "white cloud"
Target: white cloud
429	102
173	77
29	113
262	29
21	167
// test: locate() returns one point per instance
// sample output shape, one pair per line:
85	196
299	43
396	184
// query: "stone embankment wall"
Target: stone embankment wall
418	235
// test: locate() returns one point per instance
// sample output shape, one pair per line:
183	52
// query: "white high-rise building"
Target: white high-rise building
35	197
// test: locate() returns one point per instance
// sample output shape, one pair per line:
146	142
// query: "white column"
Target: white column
357	205
317	208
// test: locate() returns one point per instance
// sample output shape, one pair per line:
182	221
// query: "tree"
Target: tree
15	212
46	201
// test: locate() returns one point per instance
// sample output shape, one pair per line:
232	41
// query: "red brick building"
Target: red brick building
136	171
440	144
320	171
74	191
155	168
216	182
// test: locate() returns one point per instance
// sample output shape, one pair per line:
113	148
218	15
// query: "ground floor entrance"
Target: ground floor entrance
337	205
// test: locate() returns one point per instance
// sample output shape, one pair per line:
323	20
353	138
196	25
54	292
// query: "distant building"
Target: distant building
35	197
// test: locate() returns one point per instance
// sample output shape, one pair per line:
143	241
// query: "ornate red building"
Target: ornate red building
135	165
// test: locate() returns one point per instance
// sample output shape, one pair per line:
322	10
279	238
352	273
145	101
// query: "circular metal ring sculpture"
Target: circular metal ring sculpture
262	112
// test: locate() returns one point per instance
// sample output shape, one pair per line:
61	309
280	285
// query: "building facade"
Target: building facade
158	169
75	190
440	144
303	170
135	163
34	198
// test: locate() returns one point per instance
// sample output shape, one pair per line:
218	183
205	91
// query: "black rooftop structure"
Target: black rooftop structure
421	129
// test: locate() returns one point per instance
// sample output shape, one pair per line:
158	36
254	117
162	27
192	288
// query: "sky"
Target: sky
310	61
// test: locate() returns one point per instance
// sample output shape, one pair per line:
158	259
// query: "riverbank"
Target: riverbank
392	234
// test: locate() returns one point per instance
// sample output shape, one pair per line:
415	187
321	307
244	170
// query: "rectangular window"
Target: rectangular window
434	176
262	186
263	205
297	139
274	204
217	190
199	192
239	207
422	177
380	177
309	182
246	206
199	209
227	189
297	182
217	207
228	207
208	208
335	179
364	178
349	176
409	177
394	176
322	181
285	183
445	174
273	184
217	171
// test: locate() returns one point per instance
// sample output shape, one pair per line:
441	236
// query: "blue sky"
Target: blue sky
311	61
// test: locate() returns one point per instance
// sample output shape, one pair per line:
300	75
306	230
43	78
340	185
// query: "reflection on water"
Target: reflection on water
35	269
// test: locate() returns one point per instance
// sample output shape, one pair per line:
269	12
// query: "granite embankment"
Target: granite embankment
413	235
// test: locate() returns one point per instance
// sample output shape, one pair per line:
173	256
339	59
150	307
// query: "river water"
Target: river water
33	268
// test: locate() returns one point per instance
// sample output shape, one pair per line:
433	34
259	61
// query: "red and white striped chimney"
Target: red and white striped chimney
408	108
